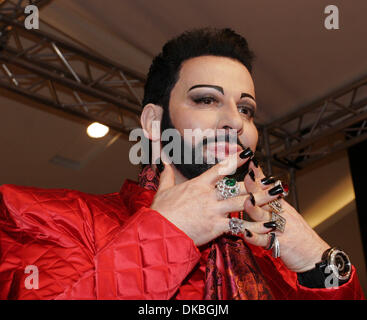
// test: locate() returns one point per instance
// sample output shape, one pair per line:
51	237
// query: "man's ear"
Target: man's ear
151	113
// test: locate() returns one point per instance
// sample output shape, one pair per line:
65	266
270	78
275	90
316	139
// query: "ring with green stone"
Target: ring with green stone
228	188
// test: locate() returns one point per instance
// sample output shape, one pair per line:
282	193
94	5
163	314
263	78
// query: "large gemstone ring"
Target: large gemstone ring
228	187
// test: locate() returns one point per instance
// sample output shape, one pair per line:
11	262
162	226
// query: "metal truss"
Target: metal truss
65	77
333	123
15	8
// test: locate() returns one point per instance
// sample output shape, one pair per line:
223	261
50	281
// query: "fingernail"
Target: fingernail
276	190
268	180
246	153
255	162
270	224
252	175
252	199
248	233
284	186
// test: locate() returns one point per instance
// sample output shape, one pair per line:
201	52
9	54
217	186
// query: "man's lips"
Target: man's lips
223	149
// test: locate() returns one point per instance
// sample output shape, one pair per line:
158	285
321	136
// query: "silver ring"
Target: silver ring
228	188
271	242
276	249
236	226
279	220
285	187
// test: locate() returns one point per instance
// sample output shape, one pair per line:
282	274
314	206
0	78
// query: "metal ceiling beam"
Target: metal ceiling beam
63	76
15	8
332	123
48	70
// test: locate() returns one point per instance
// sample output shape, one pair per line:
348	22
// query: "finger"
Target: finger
257	227
254	165
267	182
262	181
251	183
257	198
284	204
271	182
226	167
267	208
243	189
167	177
256	213
257	239
256	180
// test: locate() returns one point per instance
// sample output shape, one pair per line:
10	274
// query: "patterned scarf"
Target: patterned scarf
231	270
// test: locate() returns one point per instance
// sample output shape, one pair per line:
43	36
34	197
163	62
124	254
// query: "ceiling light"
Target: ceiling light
97	130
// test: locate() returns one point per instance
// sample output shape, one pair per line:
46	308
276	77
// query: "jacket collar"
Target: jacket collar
135	197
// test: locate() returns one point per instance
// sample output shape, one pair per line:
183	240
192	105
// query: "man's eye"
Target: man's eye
247	111
205	100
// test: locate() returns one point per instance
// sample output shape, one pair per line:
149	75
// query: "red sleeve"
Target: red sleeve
148	259
54	230
348	291
47	231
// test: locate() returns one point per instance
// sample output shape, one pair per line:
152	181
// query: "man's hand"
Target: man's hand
300	246
195	208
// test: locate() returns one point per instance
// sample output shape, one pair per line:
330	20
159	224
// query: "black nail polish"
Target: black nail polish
248	233
255	162
276	190
252	175
270	224
247	153
252	199
268	180
160	167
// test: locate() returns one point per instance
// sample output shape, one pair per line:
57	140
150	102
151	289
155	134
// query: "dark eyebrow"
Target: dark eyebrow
247	95
220	89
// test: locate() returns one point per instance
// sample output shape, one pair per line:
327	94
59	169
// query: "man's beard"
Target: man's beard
192	170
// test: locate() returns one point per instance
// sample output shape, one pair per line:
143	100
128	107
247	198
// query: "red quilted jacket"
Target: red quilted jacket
114	246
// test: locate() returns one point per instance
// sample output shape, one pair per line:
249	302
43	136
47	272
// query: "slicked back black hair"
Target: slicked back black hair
165	68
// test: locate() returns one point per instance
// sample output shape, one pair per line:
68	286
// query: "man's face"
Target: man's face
213	93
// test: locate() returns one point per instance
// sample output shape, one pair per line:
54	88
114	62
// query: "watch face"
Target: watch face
340	264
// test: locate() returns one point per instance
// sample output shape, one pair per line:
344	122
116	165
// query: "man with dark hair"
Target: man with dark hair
181	232
164	74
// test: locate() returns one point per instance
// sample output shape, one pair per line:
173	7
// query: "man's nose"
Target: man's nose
229	117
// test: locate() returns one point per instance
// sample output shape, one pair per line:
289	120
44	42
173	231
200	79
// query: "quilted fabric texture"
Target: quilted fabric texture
114	246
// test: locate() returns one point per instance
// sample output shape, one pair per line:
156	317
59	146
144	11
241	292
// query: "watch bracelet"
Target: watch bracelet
315	278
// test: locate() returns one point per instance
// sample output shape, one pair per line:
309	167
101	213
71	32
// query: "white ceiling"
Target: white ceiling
298	60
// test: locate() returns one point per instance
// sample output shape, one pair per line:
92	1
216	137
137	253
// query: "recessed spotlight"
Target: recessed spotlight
97	130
